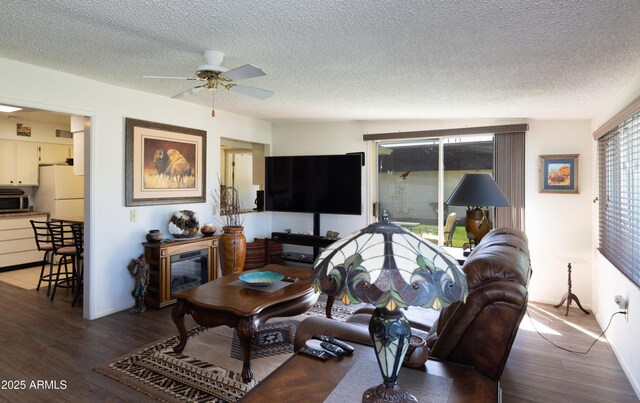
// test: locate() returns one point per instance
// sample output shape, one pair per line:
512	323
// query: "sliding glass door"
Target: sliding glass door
415	179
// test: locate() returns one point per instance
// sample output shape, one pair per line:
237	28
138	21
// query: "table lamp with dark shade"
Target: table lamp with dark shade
389	267
476	191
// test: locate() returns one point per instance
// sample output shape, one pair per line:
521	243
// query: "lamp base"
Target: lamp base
391	334
477	225
382	393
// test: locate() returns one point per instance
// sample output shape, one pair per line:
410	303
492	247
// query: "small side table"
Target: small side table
569	296
457	253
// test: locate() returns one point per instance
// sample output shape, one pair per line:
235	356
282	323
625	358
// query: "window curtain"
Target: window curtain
508	172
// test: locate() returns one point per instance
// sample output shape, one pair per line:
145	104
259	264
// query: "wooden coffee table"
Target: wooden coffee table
220	303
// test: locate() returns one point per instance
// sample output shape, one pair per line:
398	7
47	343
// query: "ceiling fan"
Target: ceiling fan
214	76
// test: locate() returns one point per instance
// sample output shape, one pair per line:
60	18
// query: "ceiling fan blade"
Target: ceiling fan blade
251	91
244	72
172	78
188	92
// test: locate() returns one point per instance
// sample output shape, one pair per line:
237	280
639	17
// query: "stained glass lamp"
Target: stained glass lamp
389	267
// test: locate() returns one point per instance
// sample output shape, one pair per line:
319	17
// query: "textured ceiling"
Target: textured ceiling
341	59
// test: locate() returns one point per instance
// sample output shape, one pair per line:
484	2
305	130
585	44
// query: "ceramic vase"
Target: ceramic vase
233	250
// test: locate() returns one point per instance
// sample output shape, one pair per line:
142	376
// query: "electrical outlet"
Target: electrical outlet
623	304
133	215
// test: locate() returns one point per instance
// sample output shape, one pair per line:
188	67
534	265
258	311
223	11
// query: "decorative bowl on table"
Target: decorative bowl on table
154	235
261	278
208	230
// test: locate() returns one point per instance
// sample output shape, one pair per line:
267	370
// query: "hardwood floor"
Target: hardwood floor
539	372
50	341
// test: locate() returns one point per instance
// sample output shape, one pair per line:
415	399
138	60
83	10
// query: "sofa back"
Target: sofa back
481	331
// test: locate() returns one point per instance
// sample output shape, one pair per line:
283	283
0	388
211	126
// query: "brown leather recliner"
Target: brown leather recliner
479	332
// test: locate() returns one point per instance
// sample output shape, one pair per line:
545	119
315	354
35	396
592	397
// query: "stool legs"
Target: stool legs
68	277
77	297
47	260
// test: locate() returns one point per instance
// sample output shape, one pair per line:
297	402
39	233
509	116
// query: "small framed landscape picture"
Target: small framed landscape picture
559	173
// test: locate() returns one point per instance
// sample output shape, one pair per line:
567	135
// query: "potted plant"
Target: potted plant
233	244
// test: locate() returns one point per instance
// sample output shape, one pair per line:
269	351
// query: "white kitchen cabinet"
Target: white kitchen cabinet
17	241
18	163
55	153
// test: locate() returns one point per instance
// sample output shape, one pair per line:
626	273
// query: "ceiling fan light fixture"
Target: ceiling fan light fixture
213	57
214	75
212	68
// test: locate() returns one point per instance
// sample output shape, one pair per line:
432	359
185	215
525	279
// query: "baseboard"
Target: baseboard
635	383
20	266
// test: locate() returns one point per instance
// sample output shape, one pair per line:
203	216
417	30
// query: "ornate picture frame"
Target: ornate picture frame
559	173
164	164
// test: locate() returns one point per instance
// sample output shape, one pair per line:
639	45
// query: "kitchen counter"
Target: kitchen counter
23	214
17	242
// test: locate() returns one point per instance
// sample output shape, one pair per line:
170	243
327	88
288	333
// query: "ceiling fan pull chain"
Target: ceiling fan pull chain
213	104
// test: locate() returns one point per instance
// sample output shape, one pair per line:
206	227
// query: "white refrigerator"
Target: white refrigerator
60	192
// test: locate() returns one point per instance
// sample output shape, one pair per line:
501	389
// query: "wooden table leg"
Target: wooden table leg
569	296
177	314
247	328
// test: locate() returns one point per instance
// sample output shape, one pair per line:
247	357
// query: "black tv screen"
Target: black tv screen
327	184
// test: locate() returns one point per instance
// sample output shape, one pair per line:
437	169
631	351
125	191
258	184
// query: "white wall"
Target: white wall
557	225
623	335
319	139
112	239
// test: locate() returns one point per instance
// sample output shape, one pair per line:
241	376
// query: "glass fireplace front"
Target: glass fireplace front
189	269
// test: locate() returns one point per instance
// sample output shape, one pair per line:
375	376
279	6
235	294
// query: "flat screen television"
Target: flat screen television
324	184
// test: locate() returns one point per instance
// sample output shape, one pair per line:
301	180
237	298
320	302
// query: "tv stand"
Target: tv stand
315	241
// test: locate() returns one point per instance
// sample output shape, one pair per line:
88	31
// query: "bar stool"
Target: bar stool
64	247
43	243
78	239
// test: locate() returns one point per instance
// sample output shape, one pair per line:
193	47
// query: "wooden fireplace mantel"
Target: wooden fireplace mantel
158	255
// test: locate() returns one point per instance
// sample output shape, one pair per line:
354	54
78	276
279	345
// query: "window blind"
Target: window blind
619	195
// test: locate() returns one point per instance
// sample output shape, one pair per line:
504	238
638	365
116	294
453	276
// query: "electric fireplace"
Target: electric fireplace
179	264
189	269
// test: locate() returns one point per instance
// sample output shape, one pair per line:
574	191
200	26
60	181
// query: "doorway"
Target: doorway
58	141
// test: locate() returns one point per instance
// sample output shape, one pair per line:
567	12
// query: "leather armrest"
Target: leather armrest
418	317
329	327
355	332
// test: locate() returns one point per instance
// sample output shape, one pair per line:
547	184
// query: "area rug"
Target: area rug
338	310
272	338
209	368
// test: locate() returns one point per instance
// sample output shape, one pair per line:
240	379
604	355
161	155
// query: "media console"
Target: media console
314	241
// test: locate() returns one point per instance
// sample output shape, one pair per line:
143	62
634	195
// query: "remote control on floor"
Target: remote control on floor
346	347
319	354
